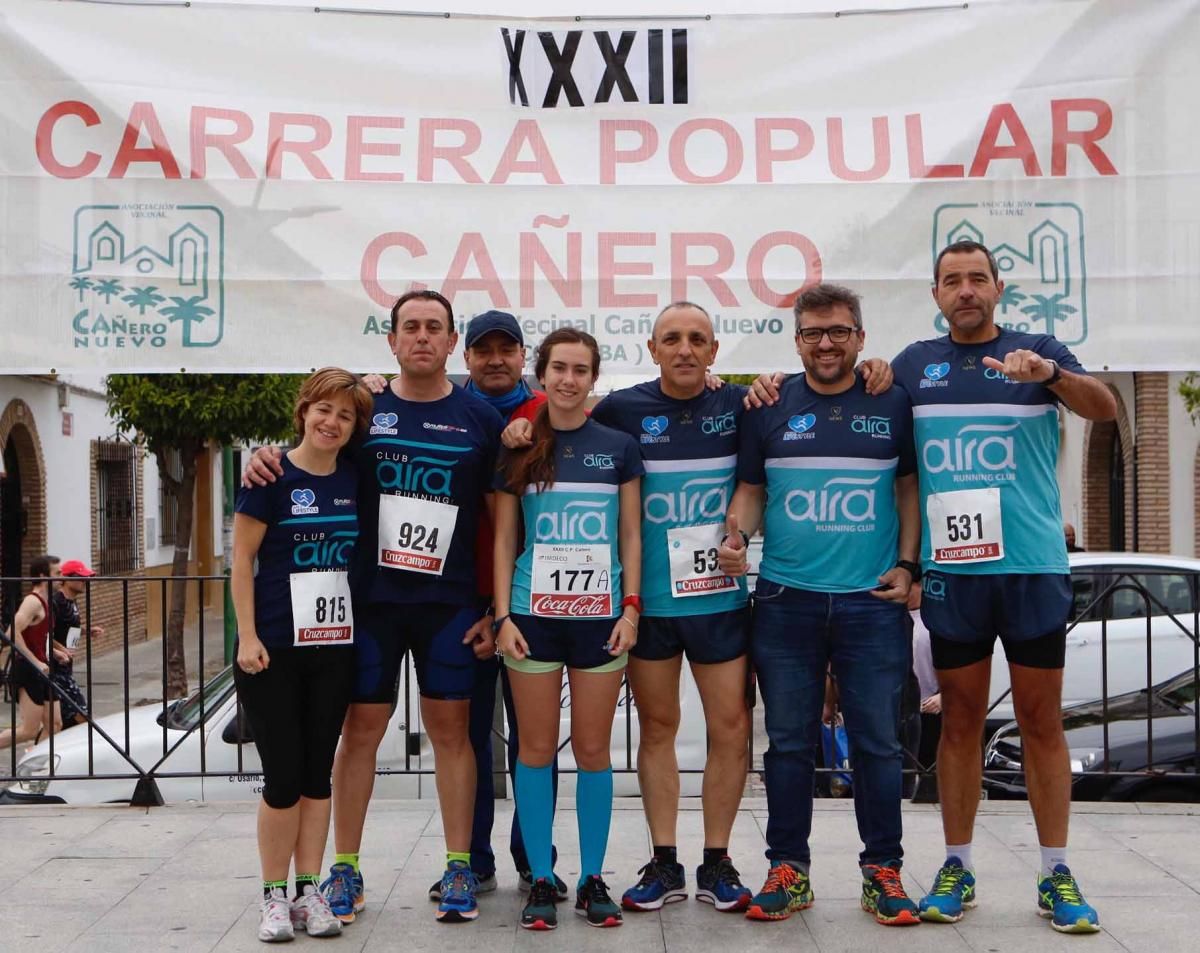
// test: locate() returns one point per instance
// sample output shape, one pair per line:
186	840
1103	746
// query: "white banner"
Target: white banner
243	188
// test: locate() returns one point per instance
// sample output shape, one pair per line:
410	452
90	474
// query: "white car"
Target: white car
202	759
1107	647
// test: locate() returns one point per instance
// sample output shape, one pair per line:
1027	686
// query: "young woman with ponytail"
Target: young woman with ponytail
570	600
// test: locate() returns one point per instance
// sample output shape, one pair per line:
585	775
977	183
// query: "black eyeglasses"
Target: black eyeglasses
838	334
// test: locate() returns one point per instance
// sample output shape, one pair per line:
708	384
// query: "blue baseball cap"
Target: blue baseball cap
491	321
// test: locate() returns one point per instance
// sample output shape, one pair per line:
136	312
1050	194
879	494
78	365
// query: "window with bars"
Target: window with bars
116	508
168	498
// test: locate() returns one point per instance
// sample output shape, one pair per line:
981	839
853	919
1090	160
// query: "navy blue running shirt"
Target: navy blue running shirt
575	524
312	526
425	468
977	430
829	463
689	449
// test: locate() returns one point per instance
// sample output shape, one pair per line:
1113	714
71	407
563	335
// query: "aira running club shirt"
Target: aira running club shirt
425	467
829	463
988	453
312	527
689	450
571	564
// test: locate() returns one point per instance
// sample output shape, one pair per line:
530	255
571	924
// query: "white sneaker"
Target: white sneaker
311	914
275	923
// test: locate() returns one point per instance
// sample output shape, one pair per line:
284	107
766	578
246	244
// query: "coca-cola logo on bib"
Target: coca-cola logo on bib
574	606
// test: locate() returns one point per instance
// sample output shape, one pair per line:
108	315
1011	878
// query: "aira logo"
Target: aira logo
584	67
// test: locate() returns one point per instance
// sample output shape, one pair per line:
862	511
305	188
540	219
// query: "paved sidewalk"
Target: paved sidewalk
93	880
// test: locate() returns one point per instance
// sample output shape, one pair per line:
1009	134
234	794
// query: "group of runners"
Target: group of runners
497	530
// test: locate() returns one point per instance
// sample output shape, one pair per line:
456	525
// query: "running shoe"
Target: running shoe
785	891
592	901
539	912
953	892
482	885
660	884
525	884
884	898
458	894
275	918
344	891
1059	899
721	885
311	914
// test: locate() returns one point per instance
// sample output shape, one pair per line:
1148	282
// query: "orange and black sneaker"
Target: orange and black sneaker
785	891
883	895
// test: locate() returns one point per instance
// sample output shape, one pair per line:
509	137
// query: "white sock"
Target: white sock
1051	858
963	853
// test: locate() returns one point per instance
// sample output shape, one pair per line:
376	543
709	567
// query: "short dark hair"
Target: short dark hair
964	246
824	296
39	566
671	307
424	294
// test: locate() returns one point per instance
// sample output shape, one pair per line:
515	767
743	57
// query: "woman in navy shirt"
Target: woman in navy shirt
295	662
569	601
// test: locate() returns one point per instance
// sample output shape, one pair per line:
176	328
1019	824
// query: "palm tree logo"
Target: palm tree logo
81	284
1010	297
1050	309
187	310
108	288
143	298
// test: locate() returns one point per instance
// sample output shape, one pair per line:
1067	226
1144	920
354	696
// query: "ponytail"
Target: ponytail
536	465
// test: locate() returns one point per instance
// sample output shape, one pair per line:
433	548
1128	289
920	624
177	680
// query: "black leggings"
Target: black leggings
295	709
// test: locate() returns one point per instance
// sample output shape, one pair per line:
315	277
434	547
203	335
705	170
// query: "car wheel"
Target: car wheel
1166	792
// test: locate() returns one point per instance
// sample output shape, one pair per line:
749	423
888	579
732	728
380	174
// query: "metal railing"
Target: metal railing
1110	601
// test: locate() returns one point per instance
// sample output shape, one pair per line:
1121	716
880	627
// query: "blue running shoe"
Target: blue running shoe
458	894
344	891
660	884
953	892
1060	900
721	885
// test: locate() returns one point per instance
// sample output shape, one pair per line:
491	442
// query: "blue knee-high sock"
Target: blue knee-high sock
593	809
535	809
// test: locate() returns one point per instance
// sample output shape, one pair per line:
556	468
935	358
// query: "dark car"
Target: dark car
1155	731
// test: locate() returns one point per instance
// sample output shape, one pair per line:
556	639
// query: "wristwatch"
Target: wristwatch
1055	376
634	600
914	570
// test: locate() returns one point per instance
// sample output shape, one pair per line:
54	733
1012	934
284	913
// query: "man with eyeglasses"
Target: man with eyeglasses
830	472
985	407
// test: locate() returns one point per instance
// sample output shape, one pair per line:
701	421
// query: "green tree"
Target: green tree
746	379
1050	309
186	412
1010	297
81	284
143	298
108	288
187	310
1189	390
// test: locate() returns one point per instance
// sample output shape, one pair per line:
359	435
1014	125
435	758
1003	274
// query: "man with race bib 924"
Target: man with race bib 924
986	416
831	471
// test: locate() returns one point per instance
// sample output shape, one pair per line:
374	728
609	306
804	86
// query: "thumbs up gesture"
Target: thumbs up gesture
731	555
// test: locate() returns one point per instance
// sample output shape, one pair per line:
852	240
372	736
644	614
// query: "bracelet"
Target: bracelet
498	624
745	537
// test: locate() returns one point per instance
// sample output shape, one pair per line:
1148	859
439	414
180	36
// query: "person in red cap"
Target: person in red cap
68	630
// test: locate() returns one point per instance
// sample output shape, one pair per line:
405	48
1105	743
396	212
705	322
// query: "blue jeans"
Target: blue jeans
797	634
483	705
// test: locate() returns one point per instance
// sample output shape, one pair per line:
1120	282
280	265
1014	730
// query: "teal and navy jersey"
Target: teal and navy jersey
689	450
830	464
312	526
443	451
977	429
582	506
